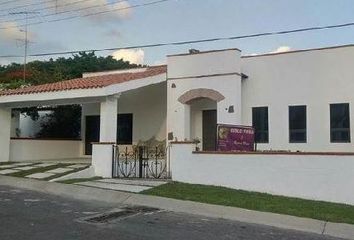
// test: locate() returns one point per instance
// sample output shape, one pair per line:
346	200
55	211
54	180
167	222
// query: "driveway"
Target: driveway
40	170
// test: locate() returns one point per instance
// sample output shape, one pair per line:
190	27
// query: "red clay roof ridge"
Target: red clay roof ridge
88	82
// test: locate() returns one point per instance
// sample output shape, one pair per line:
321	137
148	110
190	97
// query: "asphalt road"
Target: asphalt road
31	215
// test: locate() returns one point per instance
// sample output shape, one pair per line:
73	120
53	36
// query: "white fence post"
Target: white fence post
102	154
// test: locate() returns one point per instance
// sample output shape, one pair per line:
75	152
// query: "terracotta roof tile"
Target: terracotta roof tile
88	82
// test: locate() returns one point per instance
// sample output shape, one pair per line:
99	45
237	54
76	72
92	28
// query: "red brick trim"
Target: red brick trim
278	153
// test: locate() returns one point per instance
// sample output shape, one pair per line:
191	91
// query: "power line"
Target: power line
66	11
41	3
264	34
89	14
26	5
10	1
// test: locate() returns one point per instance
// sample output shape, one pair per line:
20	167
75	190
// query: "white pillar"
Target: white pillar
102	159
108	125
102	152
5	132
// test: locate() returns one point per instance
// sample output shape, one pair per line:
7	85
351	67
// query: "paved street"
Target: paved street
31	215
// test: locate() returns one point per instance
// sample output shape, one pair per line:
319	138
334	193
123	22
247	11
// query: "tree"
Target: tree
64	121
40	72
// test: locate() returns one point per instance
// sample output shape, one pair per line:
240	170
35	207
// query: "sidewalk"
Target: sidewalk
134	185
345	231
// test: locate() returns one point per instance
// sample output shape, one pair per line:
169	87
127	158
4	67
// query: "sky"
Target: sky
170	21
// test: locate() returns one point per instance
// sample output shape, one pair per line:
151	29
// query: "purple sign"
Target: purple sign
235	138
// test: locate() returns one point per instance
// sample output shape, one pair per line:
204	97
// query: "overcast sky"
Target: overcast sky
174	20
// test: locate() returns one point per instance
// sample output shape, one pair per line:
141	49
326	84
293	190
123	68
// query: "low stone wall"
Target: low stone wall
41	149
317	176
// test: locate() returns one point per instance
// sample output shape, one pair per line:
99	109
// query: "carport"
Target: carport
104	92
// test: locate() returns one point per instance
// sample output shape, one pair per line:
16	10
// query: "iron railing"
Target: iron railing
139	162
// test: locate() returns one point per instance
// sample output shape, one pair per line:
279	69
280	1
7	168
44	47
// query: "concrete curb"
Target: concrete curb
114	197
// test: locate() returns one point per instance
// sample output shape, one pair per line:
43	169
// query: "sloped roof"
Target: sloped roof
88	82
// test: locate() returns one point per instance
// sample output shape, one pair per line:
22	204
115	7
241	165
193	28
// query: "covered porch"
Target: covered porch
123	108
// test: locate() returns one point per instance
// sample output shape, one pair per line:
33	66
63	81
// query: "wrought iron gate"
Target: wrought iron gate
139	162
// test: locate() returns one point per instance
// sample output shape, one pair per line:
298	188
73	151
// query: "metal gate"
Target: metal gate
139	162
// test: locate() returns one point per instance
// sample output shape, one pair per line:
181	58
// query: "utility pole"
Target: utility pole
26	13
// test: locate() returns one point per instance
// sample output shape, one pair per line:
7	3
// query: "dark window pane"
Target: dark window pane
297	124
340	122
125	129
260	124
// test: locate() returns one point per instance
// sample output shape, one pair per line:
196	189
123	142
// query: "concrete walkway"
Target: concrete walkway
345	231
82	160
124	185
11	168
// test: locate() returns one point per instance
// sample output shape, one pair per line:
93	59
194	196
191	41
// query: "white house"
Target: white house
298	101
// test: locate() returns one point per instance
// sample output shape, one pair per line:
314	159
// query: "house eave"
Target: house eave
77	96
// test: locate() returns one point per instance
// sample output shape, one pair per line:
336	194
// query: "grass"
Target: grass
78	180
38	170
326	211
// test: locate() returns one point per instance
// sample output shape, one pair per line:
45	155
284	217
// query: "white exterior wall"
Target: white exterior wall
217	70
204	63
316	177
313	78
5	132
30	150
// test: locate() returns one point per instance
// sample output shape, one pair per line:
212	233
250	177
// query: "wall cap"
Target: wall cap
277	153
182	142
103	143
204	52
47	139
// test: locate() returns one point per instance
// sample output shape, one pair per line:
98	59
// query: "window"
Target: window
297	124
260	124
125	129
340	122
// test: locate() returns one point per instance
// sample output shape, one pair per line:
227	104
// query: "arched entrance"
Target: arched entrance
203	115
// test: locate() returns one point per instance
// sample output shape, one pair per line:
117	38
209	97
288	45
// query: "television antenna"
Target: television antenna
26	41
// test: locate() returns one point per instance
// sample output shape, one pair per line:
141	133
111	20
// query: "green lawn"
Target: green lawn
326	211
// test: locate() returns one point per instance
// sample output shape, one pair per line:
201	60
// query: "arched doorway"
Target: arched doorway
203	115
203	122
